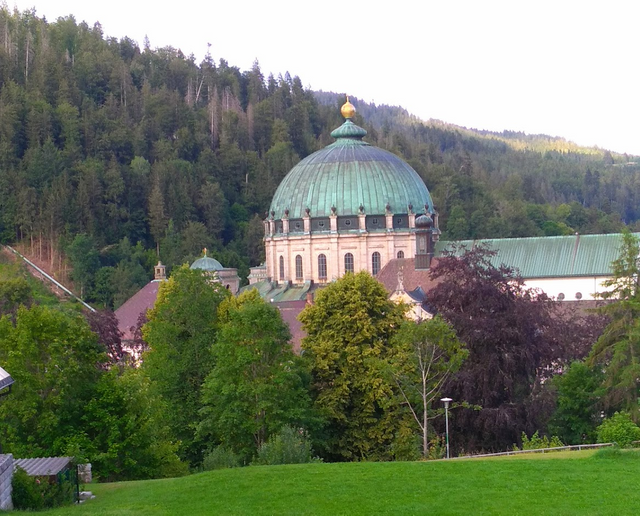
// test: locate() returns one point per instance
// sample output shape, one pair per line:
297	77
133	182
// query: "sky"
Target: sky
558	67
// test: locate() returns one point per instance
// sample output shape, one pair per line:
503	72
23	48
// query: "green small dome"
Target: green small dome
207	264
348	174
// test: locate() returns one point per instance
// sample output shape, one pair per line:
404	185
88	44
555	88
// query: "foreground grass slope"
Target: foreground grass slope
548	485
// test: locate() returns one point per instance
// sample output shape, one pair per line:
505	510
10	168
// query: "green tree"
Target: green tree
127	435
53	357
157	215
13	293
255	387
84	260
619	429
579	391
181	330
618	349
430	353
348	345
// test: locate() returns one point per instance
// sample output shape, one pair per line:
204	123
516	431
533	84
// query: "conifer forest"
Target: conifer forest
113	154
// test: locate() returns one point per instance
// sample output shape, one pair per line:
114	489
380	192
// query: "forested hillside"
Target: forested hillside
111	154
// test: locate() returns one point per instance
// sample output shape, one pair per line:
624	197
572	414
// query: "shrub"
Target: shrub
437	448
34	493
25	491
220	457
615	453
406	445
289	446
536	442
618	429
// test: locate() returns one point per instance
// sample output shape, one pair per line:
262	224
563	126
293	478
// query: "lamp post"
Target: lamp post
446	402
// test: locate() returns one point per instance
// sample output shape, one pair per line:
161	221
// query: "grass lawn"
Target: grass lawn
539	484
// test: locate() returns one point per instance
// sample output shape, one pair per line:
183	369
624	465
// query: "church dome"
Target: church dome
207	264
351	176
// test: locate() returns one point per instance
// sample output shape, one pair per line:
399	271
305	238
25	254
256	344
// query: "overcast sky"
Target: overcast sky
563	68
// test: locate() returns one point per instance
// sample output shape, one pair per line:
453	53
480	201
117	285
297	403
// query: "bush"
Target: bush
220	457
25	491
615	453
35	493
537	443
289	446
618	429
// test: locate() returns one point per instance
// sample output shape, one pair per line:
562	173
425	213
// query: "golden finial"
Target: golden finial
348	110
205	252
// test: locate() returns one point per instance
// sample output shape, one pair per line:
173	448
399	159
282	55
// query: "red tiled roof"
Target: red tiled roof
411	278
140	302
289	310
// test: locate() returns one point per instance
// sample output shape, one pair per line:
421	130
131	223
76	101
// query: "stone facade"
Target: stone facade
321	256
6	473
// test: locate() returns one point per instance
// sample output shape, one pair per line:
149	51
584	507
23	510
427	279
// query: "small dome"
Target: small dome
348	109
207	264
424	221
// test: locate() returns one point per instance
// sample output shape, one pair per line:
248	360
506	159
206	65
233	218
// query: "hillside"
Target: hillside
112	156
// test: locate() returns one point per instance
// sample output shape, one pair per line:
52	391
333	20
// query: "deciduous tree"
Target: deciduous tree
348	344
255	387
429	353
513	335
181	331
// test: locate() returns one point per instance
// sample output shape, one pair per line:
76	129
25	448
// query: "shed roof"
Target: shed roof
44	465
5	379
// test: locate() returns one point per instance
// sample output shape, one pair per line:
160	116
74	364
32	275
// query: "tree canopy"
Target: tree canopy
617	350
515	339
181	331
256	385
348	346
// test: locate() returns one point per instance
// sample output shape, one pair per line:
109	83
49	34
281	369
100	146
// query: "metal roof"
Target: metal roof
207	263
552	257
43	466
348	174
5	379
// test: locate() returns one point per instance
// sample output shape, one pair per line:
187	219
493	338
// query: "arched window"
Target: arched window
348	262
322	267
375	263
298	268
282	268
400	254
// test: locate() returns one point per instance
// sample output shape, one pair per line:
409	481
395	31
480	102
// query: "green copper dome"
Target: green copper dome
348	174
207	264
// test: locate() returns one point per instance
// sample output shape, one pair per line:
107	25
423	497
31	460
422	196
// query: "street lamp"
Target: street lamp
446	402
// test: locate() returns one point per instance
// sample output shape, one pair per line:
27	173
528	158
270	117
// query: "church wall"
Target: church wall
586	286
334	246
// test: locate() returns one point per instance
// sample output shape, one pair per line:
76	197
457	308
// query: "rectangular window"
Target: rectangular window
322	267
299	275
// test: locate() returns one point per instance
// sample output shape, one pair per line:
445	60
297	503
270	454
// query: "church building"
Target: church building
348	207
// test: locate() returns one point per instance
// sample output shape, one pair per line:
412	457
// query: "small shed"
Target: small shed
5	382
55	468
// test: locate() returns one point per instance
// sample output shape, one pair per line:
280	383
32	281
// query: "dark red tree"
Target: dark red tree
517	337
104	324
138	345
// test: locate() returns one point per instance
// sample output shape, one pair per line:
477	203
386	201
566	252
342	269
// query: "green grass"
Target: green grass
588	484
